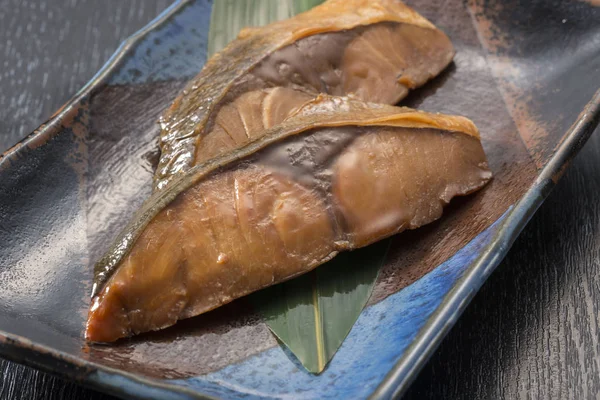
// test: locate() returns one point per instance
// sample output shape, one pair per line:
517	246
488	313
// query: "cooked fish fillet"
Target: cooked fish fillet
376	50
336	175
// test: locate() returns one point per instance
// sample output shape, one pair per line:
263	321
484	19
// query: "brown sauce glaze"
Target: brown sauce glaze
376	50
280	213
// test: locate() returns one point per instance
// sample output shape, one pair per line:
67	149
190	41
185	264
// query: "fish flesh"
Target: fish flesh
335	175
376	50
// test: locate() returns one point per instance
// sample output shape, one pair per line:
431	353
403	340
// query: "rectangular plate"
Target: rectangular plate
524	71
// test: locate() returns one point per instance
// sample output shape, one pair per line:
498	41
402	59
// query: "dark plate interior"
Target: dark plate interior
524	70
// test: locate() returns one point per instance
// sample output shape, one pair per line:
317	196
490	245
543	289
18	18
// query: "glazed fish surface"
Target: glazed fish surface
376	50
336	175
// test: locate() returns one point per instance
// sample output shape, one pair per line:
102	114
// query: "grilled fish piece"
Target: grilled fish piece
375	49
336	175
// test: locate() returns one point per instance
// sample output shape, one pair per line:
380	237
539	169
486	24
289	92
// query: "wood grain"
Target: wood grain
48	50
532	331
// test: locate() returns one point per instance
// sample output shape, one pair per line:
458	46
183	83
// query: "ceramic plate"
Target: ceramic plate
524	72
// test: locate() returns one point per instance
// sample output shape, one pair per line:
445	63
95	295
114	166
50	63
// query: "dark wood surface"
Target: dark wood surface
531	332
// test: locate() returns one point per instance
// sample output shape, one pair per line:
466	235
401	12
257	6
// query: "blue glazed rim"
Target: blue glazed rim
120	383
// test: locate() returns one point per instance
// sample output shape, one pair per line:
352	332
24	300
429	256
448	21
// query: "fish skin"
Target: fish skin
241	222
377	50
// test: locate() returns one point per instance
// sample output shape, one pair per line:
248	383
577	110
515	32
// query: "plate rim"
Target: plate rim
399	378
121	383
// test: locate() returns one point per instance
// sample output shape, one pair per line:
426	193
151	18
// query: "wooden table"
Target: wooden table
532	331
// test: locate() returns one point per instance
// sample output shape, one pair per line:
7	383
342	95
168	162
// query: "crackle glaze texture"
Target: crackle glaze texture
74	183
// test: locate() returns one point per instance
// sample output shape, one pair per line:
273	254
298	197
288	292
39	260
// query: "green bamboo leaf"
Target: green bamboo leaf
312	314
229	17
